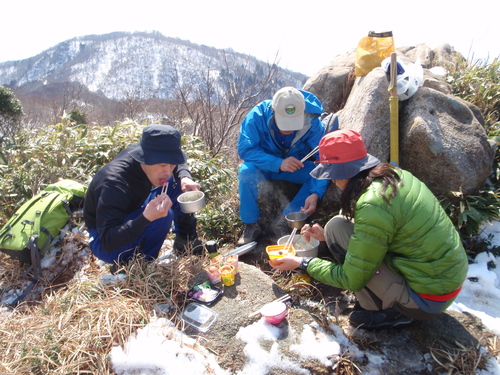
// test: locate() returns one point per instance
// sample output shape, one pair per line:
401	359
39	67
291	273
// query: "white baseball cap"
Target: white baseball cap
289	106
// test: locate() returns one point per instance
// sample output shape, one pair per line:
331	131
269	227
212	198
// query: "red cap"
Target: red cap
341	146
342	155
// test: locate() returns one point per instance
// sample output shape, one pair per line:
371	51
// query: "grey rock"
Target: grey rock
443	143
402	351
441	137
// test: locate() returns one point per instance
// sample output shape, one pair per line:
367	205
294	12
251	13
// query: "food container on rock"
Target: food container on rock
204	293
199	316
274	312
191	201
296	219
301	247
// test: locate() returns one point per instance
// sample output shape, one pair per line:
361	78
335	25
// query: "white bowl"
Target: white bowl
302	248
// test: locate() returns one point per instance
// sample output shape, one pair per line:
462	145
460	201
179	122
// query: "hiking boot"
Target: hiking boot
368	319
186	237
183	246
250	233
118	267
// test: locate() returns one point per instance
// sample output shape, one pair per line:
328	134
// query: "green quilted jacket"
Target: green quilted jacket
412	235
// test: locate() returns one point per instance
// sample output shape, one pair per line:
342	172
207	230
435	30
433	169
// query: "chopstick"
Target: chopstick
290	239
163	192
164	189
281	299
310	154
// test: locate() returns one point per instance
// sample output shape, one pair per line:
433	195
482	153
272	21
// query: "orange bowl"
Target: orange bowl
280	251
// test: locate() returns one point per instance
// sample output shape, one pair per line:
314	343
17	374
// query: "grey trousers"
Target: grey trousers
386	289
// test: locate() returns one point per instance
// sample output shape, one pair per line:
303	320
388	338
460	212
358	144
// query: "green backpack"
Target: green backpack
29	232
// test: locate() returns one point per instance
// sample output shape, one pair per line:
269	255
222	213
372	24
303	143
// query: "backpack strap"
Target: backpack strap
7	230
35	249
35	256
35	253
67	207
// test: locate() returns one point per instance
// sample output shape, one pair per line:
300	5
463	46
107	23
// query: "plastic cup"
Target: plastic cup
217	260
227	273
213	273
233	261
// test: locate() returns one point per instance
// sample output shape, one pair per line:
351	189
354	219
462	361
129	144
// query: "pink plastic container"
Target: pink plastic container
274	312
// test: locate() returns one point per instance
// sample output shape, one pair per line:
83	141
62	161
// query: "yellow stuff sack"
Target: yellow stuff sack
372	50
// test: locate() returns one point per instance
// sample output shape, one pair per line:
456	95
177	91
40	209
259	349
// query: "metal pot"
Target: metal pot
191	201
302	248
296	219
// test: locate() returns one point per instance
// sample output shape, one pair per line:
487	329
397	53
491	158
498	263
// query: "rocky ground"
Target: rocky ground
412	350
423	348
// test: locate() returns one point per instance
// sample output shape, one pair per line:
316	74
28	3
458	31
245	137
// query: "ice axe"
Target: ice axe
394	111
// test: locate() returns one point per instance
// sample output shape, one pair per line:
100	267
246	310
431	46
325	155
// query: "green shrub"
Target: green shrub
67	150
11	113
39	157
468	213
217	220
478	82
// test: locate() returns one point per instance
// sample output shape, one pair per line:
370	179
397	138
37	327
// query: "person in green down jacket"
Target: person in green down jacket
394	246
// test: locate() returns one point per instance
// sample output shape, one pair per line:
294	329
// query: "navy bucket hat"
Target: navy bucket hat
159	144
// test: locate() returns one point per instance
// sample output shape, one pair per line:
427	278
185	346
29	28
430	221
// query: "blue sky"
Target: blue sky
306	35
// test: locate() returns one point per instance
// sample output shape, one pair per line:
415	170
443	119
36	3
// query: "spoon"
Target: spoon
302	234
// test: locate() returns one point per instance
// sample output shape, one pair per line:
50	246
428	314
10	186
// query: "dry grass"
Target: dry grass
345	365
75	322
69	332
460	359
493	345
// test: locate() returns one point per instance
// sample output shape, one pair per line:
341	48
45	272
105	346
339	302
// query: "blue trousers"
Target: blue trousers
250	177
150	241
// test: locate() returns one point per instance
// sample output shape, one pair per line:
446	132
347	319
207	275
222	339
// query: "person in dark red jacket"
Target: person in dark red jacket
124	211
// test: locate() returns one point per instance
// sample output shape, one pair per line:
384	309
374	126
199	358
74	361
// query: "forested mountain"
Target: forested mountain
119	70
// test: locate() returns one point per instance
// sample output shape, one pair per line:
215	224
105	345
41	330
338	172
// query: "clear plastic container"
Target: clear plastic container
199	316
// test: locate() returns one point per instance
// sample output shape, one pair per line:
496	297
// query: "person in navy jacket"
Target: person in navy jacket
124	209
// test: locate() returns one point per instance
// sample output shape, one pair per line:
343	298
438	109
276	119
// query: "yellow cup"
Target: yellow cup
227	273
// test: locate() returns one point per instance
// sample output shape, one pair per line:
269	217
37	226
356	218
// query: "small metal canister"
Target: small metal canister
212	248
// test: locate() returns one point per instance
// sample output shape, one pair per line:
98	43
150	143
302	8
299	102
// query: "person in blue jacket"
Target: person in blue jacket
274	137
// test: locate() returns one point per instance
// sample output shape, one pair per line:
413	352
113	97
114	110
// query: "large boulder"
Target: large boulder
443	143
441	137
333	83
367	111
